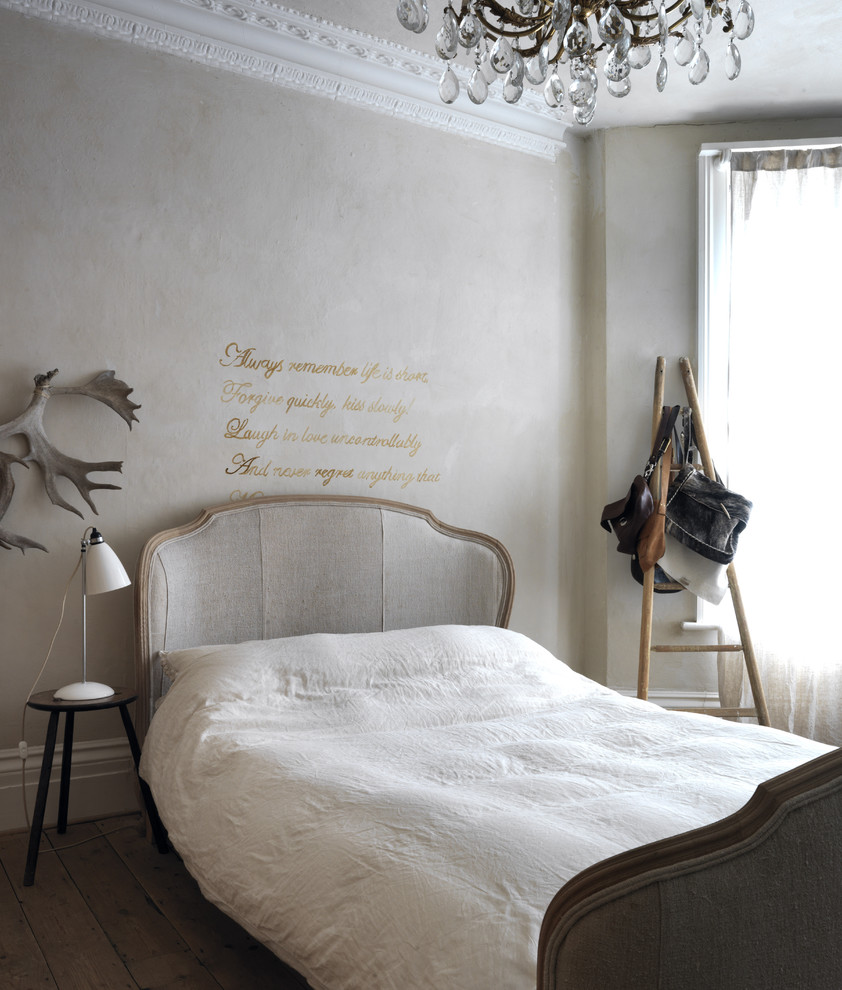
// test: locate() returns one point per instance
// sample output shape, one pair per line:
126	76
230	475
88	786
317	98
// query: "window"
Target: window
770	344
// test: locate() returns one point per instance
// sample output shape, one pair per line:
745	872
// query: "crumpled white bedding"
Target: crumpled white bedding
394	811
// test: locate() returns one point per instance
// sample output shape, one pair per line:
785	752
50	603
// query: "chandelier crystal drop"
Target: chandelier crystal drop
534	44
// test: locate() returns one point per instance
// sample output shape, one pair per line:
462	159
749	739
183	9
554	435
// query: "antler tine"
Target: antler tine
7	490
108	389
53	463
76	472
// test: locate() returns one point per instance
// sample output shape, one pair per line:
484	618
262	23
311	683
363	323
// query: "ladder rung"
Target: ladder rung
721	712
669	586
721	648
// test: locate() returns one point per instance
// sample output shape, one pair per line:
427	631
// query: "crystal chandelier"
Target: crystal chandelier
533	42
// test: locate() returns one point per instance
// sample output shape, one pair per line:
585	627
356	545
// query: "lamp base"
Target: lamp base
83	691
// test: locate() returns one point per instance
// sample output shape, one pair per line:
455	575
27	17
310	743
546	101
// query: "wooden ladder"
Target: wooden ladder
744	646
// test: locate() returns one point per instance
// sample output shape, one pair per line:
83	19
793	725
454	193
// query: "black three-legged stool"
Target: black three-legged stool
45	702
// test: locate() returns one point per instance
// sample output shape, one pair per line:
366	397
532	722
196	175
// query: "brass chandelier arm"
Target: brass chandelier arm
495	30
519	26
628	8
506	16
511	24
674	30
637	19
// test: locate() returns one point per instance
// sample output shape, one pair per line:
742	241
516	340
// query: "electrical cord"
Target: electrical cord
99	835
22	748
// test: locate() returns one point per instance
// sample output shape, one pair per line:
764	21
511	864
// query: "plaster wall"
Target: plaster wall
156	212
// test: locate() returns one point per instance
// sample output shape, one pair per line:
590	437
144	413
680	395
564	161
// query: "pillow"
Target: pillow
328	661
339	654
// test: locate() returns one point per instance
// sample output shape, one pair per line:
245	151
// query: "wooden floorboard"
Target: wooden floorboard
76	950
22	964
114	913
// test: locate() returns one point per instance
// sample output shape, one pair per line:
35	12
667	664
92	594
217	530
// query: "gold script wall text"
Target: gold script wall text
359	415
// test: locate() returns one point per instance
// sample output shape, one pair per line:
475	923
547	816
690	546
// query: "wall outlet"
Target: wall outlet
22	750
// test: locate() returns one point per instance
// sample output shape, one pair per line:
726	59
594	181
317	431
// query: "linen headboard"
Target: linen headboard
288	565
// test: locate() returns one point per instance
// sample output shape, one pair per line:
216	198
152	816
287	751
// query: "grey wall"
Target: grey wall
155	212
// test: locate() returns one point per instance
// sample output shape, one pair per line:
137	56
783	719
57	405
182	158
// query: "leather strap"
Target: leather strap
666	467
669	414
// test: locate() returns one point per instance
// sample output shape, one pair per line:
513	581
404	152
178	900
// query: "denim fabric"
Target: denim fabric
705	516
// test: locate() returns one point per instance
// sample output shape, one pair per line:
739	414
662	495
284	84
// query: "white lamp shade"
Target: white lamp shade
104	572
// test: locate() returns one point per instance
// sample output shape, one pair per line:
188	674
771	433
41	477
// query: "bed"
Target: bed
362	765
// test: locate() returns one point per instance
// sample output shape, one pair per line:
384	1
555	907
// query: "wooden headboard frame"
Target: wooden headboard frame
288	565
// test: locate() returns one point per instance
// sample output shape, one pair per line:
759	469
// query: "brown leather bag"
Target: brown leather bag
652	542
627	516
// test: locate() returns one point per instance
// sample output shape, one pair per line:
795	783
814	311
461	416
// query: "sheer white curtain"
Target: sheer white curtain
784	420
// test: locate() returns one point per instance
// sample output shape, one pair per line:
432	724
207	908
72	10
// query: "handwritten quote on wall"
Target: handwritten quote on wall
279	407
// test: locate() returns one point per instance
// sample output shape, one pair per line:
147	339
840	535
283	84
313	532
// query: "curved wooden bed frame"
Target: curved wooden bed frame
752	902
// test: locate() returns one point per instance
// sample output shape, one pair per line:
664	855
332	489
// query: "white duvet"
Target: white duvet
394	811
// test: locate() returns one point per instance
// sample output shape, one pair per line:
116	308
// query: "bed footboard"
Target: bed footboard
753	902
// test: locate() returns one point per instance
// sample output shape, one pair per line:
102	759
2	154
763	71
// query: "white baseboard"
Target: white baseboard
677	699
102	783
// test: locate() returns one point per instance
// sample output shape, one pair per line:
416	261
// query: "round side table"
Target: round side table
45	702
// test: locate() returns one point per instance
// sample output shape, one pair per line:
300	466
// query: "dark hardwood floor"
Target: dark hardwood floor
114	913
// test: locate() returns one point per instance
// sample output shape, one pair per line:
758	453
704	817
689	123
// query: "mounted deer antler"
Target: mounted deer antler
105	388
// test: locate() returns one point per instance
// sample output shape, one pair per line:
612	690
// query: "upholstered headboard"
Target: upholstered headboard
291	565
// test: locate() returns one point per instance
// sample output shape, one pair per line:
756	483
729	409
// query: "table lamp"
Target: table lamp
101	572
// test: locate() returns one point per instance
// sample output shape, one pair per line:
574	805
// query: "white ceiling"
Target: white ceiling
355	50
791	67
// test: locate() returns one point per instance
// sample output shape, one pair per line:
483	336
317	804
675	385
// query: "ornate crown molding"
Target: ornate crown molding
262	39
